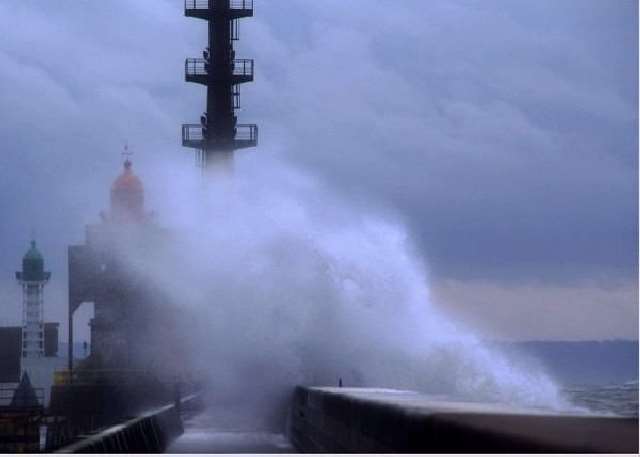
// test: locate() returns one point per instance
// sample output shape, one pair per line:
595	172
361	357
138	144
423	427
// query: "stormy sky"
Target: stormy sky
503	133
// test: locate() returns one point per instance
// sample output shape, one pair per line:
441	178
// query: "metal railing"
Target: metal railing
12	399
196	67
149	432
204	4
200	67
243	133
243	67
93	377
246	132
192	132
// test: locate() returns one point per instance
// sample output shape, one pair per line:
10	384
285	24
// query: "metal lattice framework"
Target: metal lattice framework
32	278
218	134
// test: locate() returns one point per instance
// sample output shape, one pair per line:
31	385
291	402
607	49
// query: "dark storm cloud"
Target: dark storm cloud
504	132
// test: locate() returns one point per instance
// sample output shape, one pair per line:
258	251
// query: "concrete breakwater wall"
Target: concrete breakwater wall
148	432
384	420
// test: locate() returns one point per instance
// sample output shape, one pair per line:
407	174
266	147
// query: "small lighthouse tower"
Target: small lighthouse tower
32	278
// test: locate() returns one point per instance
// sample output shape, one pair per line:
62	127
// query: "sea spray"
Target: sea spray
287	284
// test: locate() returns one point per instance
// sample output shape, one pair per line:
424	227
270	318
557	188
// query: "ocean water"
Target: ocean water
617	399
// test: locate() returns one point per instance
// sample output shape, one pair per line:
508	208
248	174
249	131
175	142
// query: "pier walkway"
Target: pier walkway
204	434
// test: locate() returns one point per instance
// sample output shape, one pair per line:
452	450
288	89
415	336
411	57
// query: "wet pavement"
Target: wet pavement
202	434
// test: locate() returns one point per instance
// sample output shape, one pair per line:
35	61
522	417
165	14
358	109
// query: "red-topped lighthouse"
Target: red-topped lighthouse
127	197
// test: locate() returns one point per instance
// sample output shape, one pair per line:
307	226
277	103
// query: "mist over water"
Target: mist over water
281	282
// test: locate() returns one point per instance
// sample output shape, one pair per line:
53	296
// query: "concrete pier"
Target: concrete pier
202	434
151	431
383	420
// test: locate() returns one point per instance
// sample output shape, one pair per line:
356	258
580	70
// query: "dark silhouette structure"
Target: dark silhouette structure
133	323
25	395
11	343
98	273
21	417
218	134
10	353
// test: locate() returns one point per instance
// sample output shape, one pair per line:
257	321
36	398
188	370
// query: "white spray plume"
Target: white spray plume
287	284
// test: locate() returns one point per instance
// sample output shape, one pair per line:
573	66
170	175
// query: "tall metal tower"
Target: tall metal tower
32	278
218	134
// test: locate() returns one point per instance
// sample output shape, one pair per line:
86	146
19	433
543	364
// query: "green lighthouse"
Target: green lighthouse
32	278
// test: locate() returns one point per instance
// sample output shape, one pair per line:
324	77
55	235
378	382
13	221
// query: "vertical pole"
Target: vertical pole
70	339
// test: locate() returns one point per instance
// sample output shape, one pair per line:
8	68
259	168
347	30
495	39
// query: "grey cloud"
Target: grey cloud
509	138
504	133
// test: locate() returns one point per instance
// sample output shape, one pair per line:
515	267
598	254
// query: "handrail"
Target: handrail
204	4
200	67
39	392
192	132
244	132
65	377
150	431
195	67
22	399
243	67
